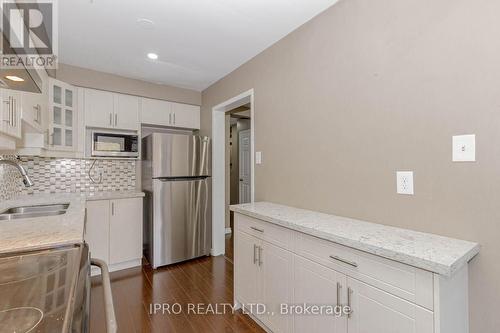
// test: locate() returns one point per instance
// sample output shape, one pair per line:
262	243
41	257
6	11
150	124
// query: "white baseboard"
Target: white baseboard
117	267
228	231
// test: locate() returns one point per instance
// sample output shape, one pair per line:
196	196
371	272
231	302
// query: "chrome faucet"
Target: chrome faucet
26	179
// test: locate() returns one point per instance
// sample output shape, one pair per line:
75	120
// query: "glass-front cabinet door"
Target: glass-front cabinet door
63	116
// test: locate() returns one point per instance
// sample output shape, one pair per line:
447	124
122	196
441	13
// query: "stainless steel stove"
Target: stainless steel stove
45	291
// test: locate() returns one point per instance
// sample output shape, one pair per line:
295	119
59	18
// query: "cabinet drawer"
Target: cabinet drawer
269	232
407	282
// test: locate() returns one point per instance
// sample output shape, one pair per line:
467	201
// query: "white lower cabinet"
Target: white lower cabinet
279	267
263	275
125	230
276	266
376	311
246	272
317	284
97	229
113	231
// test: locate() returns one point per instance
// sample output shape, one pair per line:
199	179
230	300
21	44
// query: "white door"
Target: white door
99	108
245	166
97	229
185	116
276	274
376	311
245	267
317	284
125	230
156	112
126	108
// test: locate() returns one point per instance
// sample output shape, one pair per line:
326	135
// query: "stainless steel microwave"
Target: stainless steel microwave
112	144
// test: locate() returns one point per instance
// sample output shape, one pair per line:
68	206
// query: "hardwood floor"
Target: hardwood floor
204	281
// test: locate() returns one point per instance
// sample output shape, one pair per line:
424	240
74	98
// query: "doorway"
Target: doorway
238	167
221	167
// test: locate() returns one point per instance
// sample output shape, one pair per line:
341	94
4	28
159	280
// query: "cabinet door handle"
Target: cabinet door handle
256	229
339	290
174	118
11	111
7	102
345	261
116	119
349	296
110	119
260	255
14	111
254	254
170	118
113	209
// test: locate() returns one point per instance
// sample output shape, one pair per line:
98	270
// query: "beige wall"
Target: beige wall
371	87
93	79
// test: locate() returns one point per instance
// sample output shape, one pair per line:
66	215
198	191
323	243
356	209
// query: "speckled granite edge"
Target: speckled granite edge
438	254
114	195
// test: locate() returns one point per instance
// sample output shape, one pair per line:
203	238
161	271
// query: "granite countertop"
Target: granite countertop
43	232
50	231
431	252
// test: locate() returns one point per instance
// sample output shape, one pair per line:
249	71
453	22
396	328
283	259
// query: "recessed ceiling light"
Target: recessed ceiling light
152	56
14	78
145	23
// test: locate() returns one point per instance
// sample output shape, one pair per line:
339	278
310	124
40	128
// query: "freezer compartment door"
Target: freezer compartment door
174	155
182	226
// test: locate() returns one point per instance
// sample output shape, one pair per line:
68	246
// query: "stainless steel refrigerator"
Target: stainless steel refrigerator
177	213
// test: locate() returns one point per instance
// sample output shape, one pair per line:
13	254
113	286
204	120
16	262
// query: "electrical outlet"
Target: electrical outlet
404	180
464	148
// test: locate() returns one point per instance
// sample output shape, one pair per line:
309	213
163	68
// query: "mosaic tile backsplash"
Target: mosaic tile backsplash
56	175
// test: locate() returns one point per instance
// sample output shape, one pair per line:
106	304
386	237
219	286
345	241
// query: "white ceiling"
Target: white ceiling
198	41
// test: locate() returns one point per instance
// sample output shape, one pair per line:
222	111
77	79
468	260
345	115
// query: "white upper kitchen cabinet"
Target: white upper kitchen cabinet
34	106
156	112
63	116
105	109
186	116
33	109
11	113
164	113
98	105
126	112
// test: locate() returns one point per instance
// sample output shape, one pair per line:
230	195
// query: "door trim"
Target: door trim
218	164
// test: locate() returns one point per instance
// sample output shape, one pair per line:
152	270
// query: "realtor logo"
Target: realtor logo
29	34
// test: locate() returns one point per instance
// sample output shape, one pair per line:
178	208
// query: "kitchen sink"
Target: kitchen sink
26	212
6	217
36	209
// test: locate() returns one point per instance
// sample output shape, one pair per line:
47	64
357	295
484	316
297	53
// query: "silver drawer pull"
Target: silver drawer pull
349	304
260	255
339	290
350	263
257	229
255	247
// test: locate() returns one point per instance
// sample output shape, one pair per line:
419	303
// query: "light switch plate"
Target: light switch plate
404	181
464	148
258	157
